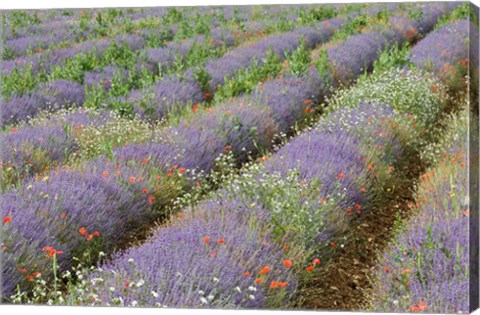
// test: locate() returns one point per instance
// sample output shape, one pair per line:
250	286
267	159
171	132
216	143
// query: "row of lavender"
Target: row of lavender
21	107
55	139
427	266
240	240
60	25
67	30
130	181
153	60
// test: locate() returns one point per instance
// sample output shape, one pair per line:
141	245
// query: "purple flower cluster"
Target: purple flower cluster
215	249
209	258
164	57
242	57
172	94
337	153
289	96
52	95
197	141
104	77
31	148
50	213
445	51
426	267
356	55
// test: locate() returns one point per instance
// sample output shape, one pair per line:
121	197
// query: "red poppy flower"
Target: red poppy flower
206	240
246	274
221	241
287	263
340	175
273	284
316	261
264	270
83	231
258	280
132	179
22	270
105	174
7	220
309	268
151	199
195	108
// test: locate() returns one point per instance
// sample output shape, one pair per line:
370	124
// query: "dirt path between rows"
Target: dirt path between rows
344	282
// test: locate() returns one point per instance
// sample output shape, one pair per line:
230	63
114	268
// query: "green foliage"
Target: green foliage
323	66
463	11
353	27
311	15
202	77
299	59
422	96
19	18
245	80
19	82
392	57
101	139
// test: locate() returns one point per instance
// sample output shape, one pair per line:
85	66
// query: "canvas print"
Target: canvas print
291	157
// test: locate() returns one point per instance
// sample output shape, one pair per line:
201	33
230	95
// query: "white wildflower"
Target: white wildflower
215	280
201	292
238	289
210	297
203	300
251	297
252	288
140	283
155	294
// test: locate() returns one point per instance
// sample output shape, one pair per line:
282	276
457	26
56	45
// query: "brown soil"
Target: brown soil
344	282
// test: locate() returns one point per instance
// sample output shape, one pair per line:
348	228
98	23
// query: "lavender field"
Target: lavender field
311	156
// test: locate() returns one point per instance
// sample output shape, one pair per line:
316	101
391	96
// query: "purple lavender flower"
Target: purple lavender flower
169	95
445	51
205	256
104	77
242	57
31	148
432	251
50	213
53	95
288	97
